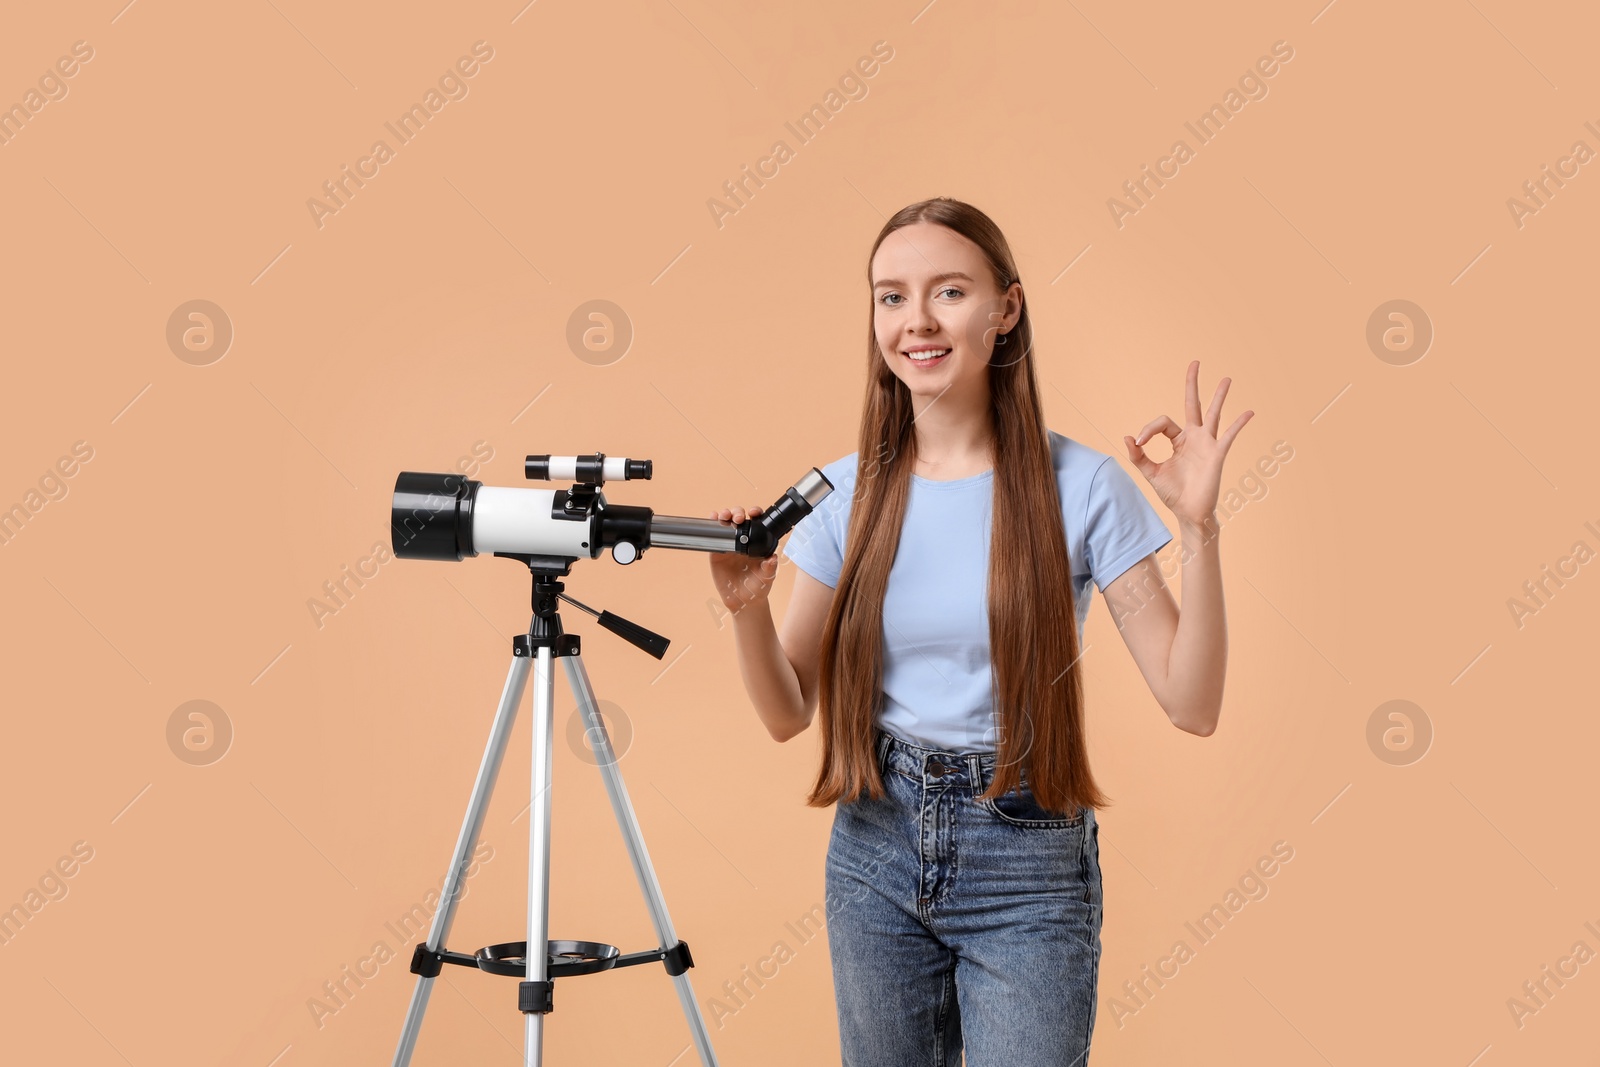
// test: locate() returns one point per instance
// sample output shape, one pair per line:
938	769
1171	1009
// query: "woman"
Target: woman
935	628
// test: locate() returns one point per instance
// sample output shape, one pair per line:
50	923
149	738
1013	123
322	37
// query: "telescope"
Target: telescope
451	517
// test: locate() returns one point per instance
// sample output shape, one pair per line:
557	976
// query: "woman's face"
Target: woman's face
932	290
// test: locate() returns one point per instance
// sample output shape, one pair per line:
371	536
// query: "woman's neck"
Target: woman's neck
954	431
946	452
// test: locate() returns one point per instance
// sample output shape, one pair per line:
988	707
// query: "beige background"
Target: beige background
429	314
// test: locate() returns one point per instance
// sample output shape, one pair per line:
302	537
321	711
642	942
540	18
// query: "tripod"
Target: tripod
539	648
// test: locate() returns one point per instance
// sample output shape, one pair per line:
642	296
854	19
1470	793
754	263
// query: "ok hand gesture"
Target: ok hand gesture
1188	480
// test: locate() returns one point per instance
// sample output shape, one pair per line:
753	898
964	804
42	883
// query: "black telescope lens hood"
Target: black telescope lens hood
431	517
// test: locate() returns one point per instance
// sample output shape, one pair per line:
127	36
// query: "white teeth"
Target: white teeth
923	357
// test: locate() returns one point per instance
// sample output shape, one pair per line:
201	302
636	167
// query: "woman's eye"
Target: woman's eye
886	297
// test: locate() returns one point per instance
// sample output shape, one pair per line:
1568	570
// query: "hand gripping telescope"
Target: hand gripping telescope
451	517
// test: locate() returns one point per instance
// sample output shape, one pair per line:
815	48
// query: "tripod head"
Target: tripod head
451	517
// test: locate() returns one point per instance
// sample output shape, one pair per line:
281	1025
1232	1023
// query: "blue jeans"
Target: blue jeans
954	921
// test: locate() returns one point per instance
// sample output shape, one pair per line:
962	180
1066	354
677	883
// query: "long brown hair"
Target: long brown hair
1033	637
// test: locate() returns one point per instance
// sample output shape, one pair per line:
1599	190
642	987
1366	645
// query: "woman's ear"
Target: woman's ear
1013	306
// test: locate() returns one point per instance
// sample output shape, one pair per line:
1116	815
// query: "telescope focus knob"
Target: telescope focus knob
624	552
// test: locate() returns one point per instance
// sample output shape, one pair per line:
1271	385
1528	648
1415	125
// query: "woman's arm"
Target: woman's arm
780	675
1183	655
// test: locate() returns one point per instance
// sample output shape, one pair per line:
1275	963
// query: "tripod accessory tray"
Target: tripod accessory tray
566	959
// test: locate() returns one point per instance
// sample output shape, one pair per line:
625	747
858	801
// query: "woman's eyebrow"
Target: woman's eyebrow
946	276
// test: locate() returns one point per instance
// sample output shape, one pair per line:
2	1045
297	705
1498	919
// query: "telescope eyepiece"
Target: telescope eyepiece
760	535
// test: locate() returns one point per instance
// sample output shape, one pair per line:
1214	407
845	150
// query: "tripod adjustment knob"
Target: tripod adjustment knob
624	552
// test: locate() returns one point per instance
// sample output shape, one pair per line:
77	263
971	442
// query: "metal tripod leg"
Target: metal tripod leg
471	826
537	956
600	742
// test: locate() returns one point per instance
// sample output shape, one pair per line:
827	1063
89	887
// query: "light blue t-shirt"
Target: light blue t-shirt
936	670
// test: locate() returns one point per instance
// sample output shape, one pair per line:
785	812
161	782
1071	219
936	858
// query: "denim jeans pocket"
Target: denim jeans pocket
1020	808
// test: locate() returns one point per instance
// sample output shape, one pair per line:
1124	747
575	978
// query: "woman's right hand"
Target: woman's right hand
741	580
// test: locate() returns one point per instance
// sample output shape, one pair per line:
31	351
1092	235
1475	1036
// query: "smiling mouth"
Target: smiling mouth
928	357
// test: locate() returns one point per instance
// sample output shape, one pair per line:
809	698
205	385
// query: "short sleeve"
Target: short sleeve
1120	527
815	545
